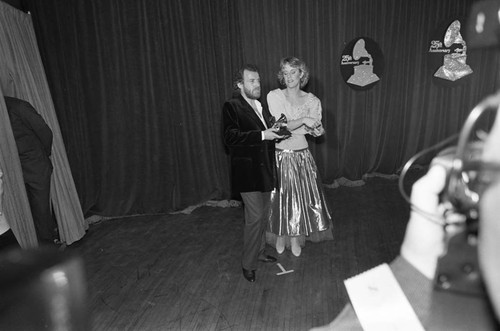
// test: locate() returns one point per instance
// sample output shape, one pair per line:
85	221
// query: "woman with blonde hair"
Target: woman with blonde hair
298	209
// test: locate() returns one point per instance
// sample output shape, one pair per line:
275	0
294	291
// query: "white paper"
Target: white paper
380	303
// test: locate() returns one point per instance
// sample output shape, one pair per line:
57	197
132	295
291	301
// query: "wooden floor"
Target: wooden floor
182	272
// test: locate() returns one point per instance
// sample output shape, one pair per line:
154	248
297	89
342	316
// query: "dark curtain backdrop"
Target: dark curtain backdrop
138	87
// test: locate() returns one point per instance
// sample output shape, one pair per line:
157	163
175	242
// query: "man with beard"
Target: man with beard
248	134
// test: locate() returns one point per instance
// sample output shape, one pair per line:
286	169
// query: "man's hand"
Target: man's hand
271	134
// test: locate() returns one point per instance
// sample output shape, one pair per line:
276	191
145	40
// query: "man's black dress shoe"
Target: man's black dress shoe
249	275
267	258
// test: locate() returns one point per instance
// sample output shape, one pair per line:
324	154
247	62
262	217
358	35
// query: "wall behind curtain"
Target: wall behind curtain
138	86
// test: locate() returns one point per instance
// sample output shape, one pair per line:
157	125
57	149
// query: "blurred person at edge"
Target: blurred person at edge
424	243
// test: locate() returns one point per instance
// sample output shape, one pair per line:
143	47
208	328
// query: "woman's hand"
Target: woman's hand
311	122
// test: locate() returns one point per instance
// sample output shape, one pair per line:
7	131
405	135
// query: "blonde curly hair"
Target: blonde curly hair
294	63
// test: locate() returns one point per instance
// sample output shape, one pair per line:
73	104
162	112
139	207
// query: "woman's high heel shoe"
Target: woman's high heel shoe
296	249
280	245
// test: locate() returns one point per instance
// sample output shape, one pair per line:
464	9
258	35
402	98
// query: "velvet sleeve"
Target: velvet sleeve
234	132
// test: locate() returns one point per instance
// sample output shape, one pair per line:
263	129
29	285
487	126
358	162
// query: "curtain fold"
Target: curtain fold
23	77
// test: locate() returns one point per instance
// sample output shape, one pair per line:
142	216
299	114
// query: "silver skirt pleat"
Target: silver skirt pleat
298	206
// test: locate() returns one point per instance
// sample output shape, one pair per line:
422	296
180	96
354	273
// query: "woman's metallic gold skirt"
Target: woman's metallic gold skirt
298	207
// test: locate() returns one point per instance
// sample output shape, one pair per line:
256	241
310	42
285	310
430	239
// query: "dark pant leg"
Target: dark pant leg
256	205
266	204
39	199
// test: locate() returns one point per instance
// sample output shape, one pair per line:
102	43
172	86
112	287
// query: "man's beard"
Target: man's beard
252	94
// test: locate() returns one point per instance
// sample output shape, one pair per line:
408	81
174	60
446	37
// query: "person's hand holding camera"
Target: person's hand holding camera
424	239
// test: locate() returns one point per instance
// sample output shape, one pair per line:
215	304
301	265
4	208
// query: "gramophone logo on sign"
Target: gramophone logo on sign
453	50
361	63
